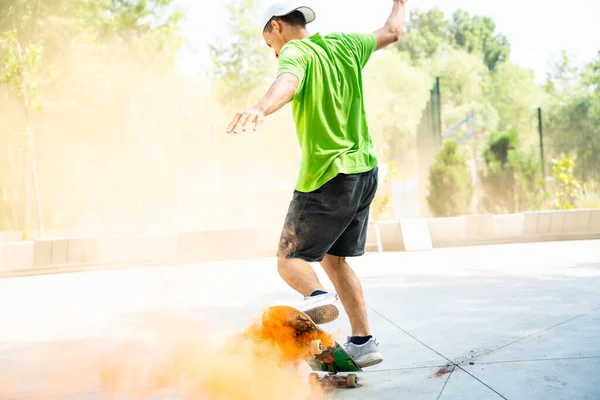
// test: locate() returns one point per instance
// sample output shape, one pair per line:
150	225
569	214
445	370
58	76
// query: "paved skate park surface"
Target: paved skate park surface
518	321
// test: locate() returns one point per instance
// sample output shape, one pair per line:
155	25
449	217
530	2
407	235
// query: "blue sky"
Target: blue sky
537	30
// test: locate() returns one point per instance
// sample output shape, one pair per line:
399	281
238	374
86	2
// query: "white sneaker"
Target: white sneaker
365	355
321	308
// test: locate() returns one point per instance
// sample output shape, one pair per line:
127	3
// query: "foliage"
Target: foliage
451	187
511	179
515	96
427	32
591	75
20	68
461	76
567	188
478	35
503	100
424	33
572	117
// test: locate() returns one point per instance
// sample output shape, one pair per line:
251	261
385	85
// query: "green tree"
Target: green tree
451	187
575	128
477	34
514	95
427	32
424	33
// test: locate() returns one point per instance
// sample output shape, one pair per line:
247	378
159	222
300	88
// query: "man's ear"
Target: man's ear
276	26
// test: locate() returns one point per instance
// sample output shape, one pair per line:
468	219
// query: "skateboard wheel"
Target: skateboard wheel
352	380
313	378
316	346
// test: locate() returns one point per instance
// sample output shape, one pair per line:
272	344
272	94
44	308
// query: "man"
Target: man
327	218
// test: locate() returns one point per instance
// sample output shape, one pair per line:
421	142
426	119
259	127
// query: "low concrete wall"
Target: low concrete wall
70	253
16	256
9	236
515	228
446	230
496	229
508	226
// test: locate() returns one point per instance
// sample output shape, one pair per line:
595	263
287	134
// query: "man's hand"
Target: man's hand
279	94
243	120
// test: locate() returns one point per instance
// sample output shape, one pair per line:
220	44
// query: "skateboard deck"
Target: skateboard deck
320	351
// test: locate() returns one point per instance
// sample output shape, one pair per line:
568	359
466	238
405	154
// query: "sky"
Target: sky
537	30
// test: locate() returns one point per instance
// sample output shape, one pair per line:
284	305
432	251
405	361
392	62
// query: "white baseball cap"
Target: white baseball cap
286	7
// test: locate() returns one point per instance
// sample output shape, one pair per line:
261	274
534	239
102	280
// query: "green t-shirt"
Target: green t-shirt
328	106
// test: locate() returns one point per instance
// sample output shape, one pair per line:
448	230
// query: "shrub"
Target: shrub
567	188
511	179
450	183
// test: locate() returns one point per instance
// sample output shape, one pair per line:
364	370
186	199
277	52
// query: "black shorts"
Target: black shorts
330	220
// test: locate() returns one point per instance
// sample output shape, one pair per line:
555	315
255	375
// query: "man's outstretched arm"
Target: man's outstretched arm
390	32
278	95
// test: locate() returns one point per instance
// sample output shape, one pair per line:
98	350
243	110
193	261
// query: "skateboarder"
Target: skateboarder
327	218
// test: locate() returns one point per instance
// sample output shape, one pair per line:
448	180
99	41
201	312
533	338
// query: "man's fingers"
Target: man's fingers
251	120
258	121
242	122
233	122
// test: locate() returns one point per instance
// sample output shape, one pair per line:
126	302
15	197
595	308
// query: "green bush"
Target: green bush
450	183
566	186
511	179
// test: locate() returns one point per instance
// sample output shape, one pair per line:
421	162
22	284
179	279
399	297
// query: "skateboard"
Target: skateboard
314	346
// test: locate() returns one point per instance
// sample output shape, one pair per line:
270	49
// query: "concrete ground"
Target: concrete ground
508	321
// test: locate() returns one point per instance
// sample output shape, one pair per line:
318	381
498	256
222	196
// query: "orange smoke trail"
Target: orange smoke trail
179	361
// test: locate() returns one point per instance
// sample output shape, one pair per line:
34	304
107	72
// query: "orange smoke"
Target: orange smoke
177	361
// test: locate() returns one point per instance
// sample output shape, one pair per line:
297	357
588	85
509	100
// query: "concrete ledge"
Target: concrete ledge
594	226
447	230
11	236
508	226
544	222
480	226
42	252
15	256
391	236
82	250
51	255
557	222
415	234
530	223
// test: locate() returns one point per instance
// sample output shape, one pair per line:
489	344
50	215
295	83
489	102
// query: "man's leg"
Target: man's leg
360	345
299	275
312	225
349	288
318	304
